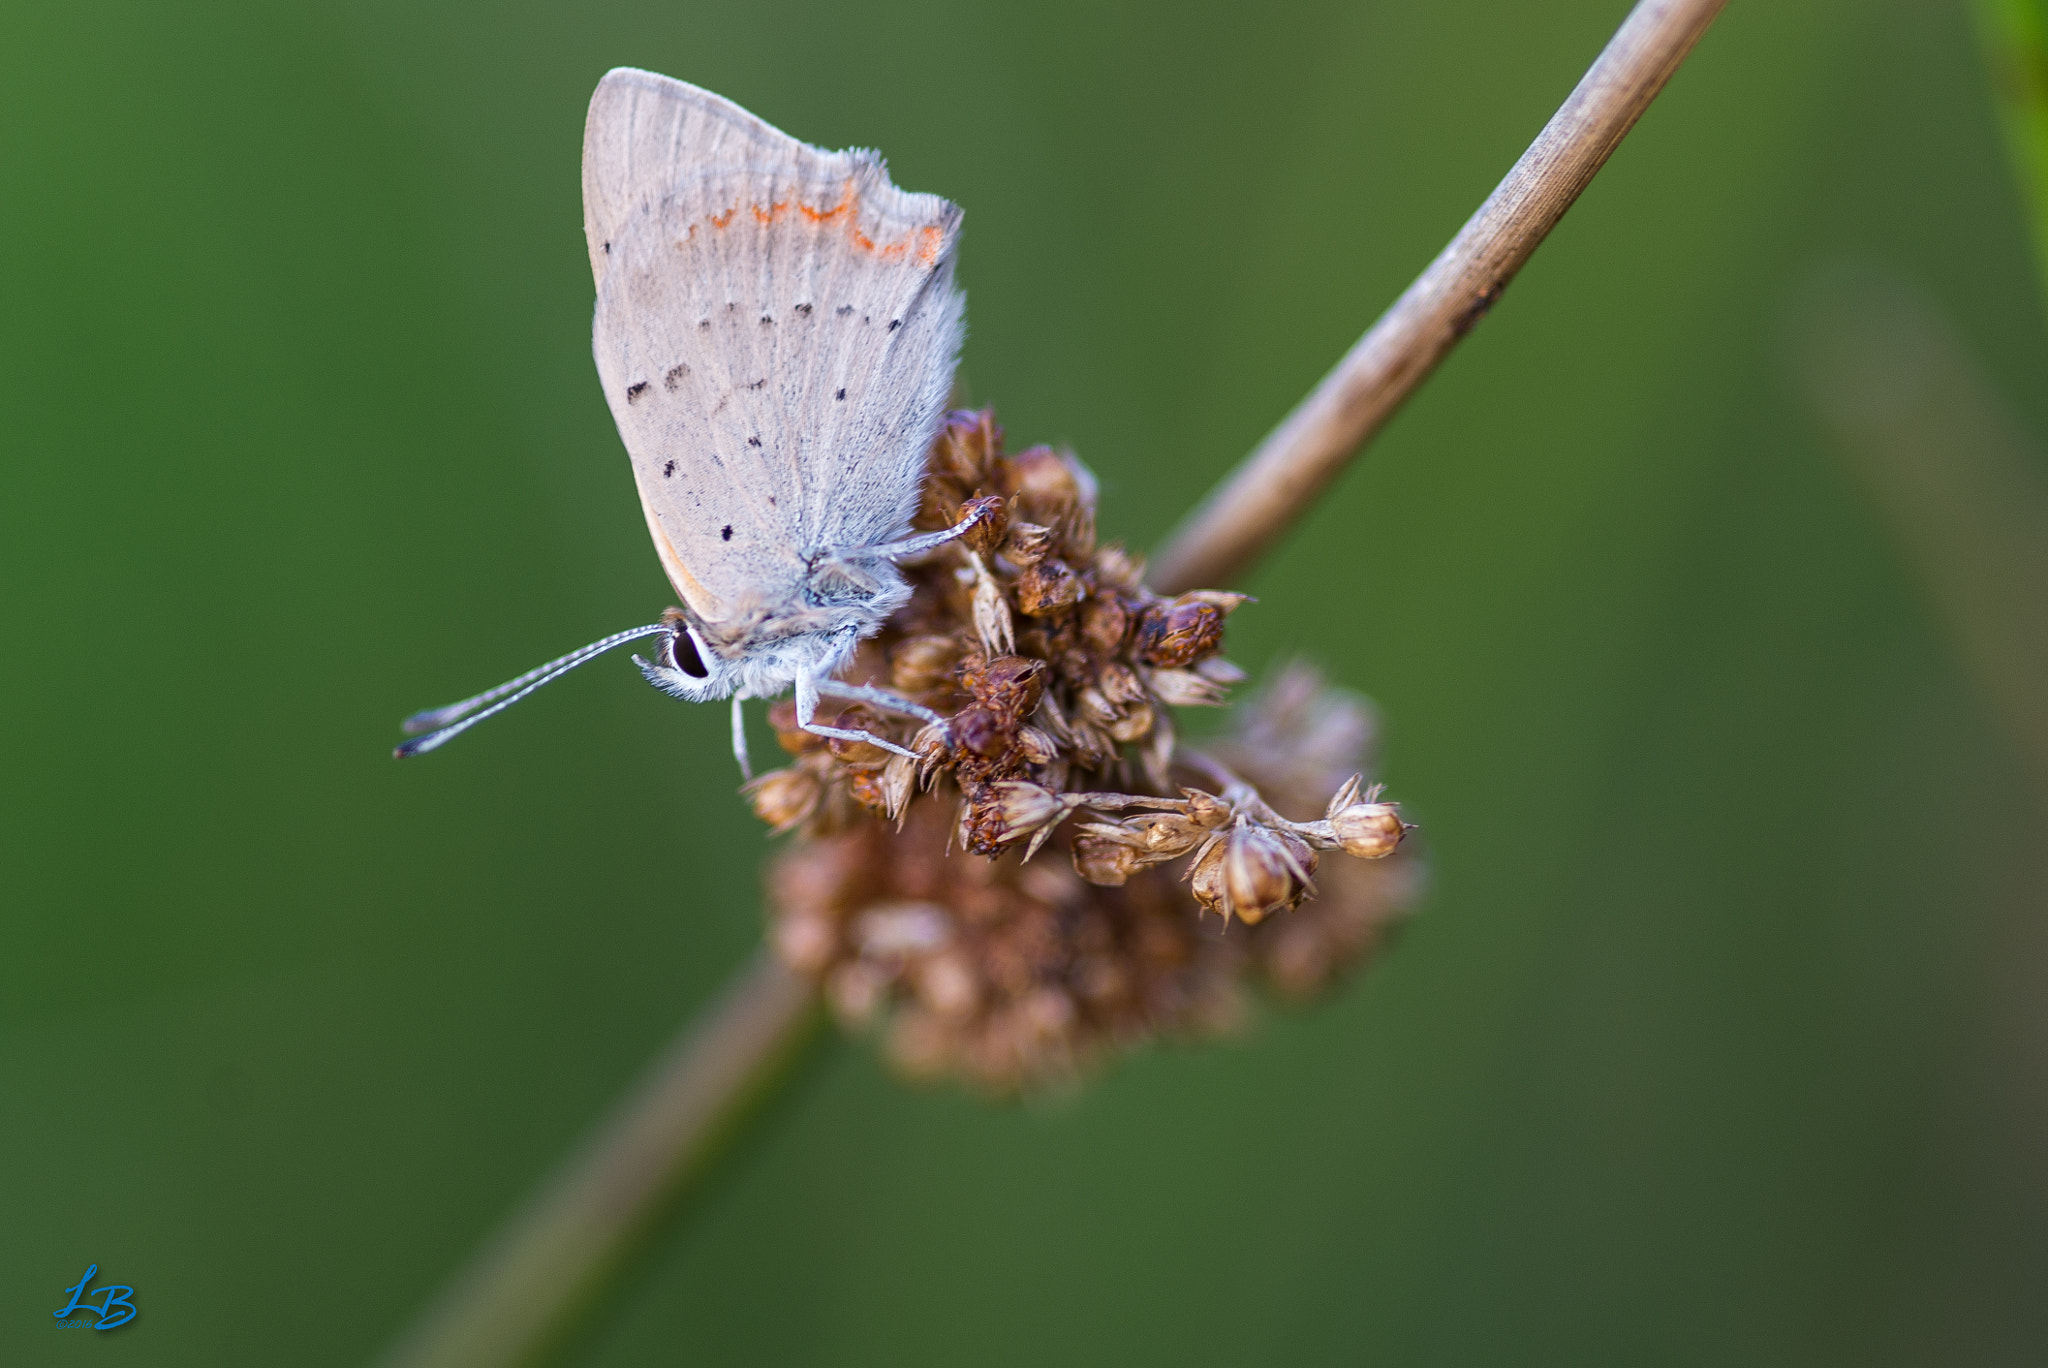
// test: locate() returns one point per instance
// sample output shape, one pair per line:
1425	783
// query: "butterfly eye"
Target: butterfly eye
682	652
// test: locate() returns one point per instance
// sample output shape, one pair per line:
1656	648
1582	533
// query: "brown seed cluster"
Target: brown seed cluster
914	897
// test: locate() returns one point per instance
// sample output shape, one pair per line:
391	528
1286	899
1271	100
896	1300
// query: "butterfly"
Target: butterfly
776	332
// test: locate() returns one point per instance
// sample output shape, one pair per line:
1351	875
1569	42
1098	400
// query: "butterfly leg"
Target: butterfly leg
880	698
739	740
807	691
923	542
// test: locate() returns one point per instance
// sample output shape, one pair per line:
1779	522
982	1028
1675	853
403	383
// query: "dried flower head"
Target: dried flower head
913	897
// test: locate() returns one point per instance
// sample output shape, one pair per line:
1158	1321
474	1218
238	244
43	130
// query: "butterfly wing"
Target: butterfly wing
776	333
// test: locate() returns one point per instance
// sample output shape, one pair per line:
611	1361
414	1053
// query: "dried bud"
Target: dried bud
1370	831
1135	725
894	929
992	622
1048	589
1104	621
994	523
1205	879
1103	861
865	784
856	991
1217	670
1007	812
1009	686
1029	543
1183	689
1119	568
1095	706
1221	599
785	798
1265	871
897	784
807	941
857	718
1036	747
934	746
1206	810
1177	634
965	446
788	735
980	731
1120	684
923	664
1052	483
1165	835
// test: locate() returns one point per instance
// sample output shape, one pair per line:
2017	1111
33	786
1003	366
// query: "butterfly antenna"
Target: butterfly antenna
444	724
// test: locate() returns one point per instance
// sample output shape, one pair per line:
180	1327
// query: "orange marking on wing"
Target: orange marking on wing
771	213
847	203
720	220
928	240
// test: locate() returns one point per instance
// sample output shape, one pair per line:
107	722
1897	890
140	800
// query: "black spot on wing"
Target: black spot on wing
674	377
668	468
756	384
840	395
804	309
894	324
725	532
753	441
843	310
766	319
634	391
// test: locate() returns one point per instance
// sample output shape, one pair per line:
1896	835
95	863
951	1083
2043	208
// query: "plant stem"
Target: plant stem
2014	37
1917	421
524	1290
1282	479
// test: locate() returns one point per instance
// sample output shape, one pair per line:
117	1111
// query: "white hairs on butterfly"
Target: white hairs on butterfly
776	332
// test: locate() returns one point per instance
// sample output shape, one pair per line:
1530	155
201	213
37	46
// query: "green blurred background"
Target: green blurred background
1720	1040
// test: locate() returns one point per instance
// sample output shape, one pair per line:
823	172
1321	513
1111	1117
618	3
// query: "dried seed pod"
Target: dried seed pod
992	624
864	783
1048	588
897	785
1134	726
1120	684
1176	634
946	984
1029	543
1265	871
1051	483
1370	831
788	735
1104	622
785	798
988	534
967	443
858	718
1009	686
1013	810
895	929
1034	747
981	731
1104	862
807	941
1183	689
1118	568
923	664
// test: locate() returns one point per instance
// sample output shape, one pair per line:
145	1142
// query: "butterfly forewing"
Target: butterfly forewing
776	333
